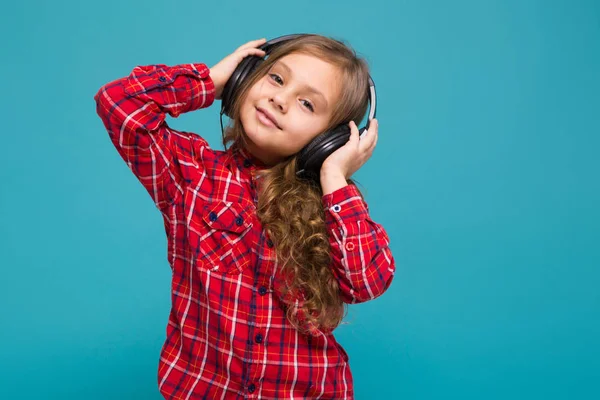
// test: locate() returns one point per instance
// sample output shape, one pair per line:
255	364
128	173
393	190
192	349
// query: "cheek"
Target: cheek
304	132
248	104
258	88
310	127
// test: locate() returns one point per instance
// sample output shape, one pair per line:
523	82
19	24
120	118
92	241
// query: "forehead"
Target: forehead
314	72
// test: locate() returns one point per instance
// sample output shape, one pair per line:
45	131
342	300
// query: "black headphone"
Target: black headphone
312	156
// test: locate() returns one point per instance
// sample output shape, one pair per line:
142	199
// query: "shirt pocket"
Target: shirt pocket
219	236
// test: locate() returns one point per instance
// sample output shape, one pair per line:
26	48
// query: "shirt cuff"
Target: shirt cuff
149	77
344	205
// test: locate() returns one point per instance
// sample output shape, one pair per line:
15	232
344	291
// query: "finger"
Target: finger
371	148
370	136
375	132
373	136
252	51
354	135
375	141
252	44
240	55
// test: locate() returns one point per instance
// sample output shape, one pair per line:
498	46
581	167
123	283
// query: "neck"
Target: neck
261	156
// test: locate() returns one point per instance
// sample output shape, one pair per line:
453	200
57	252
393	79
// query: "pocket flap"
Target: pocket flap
227	216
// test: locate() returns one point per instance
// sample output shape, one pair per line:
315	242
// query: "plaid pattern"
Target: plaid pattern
227	335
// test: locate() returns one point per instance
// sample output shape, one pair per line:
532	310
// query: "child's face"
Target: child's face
299	93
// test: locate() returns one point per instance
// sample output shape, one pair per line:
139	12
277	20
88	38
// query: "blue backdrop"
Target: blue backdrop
485	176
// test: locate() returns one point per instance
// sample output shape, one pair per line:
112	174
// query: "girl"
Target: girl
263	260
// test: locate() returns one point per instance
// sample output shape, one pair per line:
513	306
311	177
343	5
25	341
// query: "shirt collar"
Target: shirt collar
245	161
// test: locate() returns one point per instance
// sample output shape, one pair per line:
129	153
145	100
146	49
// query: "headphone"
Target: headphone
311	157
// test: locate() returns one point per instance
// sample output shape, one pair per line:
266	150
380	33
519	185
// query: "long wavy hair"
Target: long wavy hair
290	208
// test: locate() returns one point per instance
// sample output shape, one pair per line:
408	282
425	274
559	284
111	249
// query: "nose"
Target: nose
279	101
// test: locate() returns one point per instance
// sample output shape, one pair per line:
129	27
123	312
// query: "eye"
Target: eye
308	105
276	78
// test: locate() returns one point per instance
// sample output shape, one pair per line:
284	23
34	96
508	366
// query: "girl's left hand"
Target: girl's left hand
349	158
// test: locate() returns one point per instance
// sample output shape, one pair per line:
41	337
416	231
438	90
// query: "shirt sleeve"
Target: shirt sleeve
133	110
361	258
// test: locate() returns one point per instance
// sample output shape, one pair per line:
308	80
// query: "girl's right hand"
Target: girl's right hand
221	72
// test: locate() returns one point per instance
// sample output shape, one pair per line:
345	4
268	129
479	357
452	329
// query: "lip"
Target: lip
269	116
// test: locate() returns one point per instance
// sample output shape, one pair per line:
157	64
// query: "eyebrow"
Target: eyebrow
308	87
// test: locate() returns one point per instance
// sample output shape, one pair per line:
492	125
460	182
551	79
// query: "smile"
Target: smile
266	119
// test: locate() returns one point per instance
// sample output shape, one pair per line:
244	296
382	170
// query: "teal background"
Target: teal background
485	177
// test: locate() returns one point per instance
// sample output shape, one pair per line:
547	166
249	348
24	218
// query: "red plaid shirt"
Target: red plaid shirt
228	336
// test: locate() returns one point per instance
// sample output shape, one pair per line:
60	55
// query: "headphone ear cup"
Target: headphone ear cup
239	75
311	157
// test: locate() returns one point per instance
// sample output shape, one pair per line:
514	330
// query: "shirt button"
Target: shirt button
162	79
349	246
251	388
247	163
212	216
270	243
259	338
336	208
239	221
262	290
